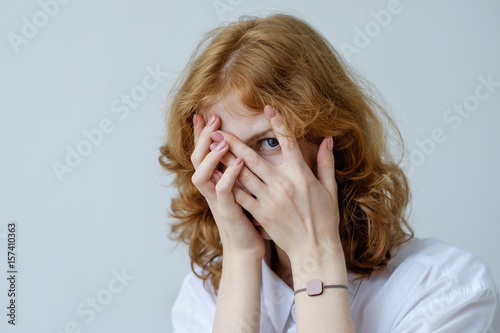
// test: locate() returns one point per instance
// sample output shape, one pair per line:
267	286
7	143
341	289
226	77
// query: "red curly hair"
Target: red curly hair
282	61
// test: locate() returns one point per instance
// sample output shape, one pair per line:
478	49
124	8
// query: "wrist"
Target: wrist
233	250
322	252
241	258
328	266
238	271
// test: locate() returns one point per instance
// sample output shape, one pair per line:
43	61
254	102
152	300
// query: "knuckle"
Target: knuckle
226	159
195	179
252	160
221	188
330	163
195	160
244	177
289	145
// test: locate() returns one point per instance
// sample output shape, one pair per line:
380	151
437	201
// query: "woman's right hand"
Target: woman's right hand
238	235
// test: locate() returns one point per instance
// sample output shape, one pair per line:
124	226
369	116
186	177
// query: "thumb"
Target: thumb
326	166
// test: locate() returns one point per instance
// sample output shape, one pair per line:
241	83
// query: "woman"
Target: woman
292	206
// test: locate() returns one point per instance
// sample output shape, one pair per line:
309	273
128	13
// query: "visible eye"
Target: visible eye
269	143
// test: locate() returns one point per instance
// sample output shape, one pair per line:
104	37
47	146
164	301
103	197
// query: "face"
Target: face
255	131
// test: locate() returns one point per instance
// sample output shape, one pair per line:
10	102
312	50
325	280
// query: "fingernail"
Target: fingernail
269	111
216	136
215	177
211	121
237	161
329	143
213	146
221	146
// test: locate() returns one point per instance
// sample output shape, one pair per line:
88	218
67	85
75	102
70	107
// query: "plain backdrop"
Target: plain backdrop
93	252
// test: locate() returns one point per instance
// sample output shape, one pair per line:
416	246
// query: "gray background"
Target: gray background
108	216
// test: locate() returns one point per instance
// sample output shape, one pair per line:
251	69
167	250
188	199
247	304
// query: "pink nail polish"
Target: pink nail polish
217	137
329	143
237	161
221	146
215	177
211	121
269	111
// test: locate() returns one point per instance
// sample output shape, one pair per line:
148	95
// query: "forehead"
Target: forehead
235	117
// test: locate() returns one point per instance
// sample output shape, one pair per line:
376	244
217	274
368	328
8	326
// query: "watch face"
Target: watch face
314	287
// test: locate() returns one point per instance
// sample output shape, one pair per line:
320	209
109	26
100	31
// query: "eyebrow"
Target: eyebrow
256	136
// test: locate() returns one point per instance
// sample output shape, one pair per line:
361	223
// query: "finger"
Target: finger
246	180
203	141
216	176
253	161
326	166
289	146
198	124
246	200
227	181
202	177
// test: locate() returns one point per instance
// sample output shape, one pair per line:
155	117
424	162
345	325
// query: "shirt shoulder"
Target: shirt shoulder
194	308
431	286
453	263
428	261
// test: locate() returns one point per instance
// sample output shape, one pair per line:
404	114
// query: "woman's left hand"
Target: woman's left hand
297	209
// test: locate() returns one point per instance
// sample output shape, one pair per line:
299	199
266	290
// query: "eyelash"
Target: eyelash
266	141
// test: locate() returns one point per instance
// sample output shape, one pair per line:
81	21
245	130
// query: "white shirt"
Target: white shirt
427	287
